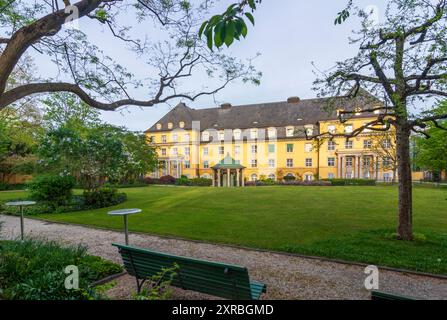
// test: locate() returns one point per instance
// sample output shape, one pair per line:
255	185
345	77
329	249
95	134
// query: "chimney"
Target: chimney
225	105
293	99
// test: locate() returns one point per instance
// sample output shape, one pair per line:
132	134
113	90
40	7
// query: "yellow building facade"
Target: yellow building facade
236	144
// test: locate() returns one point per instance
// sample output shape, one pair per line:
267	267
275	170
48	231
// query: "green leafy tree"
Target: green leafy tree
87	71
402	60
431	150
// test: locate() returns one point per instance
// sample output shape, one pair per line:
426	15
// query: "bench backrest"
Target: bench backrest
379	295
218	279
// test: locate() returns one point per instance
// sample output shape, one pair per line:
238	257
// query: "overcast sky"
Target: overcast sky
289	35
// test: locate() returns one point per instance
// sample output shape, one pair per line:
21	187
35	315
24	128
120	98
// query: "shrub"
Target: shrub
34	270
201	182
56	190
352	182
167	180
183	181
319	183
103	197
149	180
7	186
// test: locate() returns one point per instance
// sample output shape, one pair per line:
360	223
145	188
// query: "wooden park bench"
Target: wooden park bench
378	295
213	278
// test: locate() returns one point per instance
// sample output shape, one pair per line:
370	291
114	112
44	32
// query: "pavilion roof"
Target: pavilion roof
228	163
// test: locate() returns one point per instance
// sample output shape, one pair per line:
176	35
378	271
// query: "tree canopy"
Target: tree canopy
163	34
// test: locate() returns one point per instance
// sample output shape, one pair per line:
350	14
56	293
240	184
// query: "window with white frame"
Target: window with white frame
206	136
330	175
206	176
186	137
187	151
349	128
163	139
386	144
272	176
254	149
158	126
331	145
170	125
308	162
181	124
349	161
187	164
367	144
289	163
271	163
174	138
309	130
290	131
271	148
163	151
331	162
237	134
174	151
205	151
221	150
237	149
289	147
254	177
221	135
271	133
254	133
206	164
254	163
349	144
308	177
332	129
366	161
308	147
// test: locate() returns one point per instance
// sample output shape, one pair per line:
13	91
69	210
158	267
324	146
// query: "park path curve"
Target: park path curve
287	277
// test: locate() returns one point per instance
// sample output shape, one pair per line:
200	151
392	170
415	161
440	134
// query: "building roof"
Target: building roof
264	115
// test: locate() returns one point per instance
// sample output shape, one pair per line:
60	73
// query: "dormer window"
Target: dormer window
348	128
254	133
332	129
170	125
158	126
181	124
271	133
237	134
221	135
206	136
290	131
309	130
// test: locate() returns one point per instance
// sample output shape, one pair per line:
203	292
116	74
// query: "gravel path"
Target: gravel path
287	277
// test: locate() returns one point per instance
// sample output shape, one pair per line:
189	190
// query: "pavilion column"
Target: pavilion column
355	164
341	168
218	177
242	178
228	177
237	178
376	167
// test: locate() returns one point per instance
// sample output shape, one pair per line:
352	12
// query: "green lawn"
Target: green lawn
350	223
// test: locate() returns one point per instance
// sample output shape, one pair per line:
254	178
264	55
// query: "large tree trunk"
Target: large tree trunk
405	209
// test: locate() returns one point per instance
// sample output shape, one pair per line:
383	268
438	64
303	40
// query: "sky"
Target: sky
289	36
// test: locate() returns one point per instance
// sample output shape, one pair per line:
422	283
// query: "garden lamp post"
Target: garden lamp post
125	213
21	204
